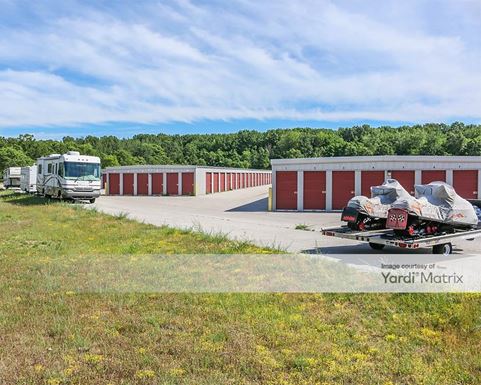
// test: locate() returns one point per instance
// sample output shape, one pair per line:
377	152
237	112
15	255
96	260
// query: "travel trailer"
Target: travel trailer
69	176
11	177
28	179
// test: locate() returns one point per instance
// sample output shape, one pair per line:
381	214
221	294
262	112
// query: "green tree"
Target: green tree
13	157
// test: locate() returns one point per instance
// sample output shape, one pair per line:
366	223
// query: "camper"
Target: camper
11	177
28	179
69	176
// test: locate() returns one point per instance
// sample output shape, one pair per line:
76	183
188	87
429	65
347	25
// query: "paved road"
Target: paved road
242	214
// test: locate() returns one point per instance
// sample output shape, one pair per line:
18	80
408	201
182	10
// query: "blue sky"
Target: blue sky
80	68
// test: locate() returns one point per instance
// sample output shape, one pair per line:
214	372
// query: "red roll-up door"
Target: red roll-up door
104	179
238	180
222	181
172	183
465	182
216	182
369	179
187	183
429	176
208	183
314	190
128	184
286	190
406	178
157	183
114	184
143	184
342	188
229	181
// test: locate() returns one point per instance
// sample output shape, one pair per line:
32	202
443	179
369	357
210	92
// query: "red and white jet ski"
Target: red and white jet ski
436	209
363	213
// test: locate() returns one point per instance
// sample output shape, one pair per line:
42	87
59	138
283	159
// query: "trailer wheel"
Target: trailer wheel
92	200
376	246
444	249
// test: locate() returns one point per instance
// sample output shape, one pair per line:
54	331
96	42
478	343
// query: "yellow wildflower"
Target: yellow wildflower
177	372
93	358
146	373
390	337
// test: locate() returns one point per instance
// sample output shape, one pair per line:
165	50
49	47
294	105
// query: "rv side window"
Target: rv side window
39	168
60	169
49	168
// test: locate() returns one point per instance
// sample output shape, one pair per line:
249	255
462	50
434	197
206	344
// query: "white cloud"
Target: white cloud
315	60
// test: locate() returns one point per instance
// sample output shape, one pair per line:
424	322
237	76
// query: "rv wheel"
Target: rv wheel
92	200
444	249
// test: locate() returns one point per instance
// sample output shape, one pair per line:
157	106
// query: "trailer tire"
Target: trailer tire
92	200
376	246
444	249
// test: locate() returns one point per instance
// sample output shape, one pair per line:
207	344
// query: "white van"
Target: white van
69	176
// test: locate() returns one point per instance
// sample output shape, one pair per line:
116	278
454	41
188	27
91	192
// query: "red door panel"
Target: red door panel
128	184
465	182
142	184
314	190
369	179
157	184
114	184
208	183
342	188
172	183
216	182
406	178
229	181
222	181
286	190
104	179
238	180
187	183
429	176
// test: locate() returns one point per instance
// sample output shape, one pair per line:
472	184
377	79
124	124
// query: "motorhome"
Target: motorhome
11	177
28	179
69	176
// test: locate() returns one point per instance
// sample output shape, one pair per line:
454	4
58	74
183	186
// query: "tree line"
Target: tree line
252	149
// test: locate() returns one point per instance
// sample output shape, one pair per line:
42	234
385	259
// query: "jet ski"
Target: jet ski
363	213
435	210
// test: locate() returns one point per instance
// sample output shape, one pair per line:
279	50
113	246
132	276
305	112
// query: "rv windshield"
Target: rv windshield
82	171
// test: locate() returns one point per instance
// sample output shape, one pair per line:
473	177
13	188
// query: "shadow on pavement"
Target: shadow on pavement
363	255
258	205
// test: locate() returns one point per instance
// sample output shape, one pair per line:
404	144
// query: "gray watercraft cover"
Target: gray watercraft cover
381	199
439	202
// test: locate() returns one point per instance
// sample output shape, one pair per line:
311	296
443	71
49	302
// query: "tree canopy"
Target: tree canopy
252	149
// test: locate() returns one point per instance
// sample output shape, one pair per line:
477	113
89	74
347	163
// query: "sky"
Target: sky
121	68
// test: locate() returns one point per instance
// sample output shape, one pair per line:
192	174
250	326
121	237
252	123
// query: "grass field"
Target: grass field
67	337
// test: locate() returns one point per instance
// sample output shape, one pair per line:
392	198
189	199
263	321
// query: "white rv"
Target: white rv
69	176
28	179
11	177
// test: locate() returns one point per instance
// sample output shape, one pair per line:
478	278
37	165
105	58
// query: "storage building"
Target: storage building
180	180
329	183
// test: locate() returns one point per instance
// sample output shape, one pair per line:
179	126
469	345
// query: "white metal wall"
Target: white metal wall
376	163
199	176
